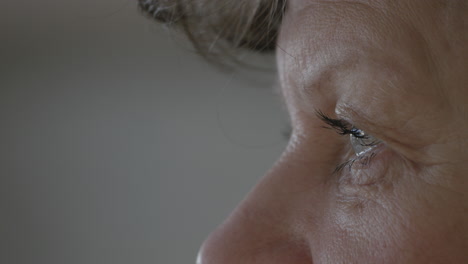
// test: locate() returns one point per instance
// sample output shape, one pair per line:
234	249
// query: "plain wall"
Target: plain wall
118	143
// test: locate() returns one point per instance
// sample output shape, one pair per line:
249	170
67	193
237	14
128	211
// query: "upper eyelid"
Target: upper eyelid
385	133
349	113
349	119
332	122
391	134
341	126
393	138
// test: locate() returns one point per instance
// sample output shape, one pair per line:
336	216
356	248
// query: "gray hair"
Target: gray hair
219	28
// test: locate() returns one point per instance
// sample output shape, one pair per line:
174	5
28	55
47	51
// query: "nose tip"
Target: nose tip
251	241
213	249
266	228
205	254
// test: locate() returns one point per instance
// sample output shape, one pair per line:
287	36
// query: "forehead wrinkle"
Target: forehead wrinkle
382	77
407	43
314	63
321	53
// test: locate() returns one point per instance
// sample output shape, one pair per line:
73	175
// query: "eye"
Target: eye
361	142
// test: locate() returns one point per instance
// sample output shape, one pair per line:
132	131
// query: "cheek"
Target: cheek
407	221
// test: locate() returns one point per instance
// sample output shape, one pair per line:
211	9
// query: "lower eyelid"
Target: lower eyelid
368	170
363	159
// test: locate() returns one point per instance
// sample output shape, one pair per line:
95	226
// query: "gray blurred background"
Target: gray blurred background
119	144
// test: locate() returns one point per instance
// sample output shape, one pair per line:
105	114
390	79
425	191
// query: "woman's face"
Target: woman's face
387	182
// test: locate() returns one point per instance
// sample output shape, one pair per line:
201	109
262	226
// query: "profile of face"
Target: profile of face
376	170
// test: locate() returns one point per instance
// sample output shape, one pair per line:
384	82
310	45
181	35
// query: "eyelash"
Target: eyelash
343	128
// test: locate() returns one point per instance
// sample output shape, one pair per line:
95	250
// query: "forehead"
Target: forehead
348	48
352	57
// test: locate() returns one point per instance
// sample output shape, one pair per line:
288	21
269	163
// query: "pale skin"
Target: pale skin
397	70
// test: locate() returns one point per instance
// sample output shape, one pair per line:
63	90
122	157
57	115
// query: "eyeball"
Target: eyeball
362	142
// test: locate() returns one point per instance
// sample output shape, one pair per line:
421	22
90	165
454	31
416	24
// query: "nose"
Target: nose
265	227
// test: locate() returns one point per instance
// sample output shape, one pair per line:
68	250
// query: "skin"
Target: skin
398	70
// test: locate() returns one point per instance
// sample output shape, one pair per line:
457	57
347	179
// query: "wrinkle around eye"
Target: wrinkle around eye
405	142
368	183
